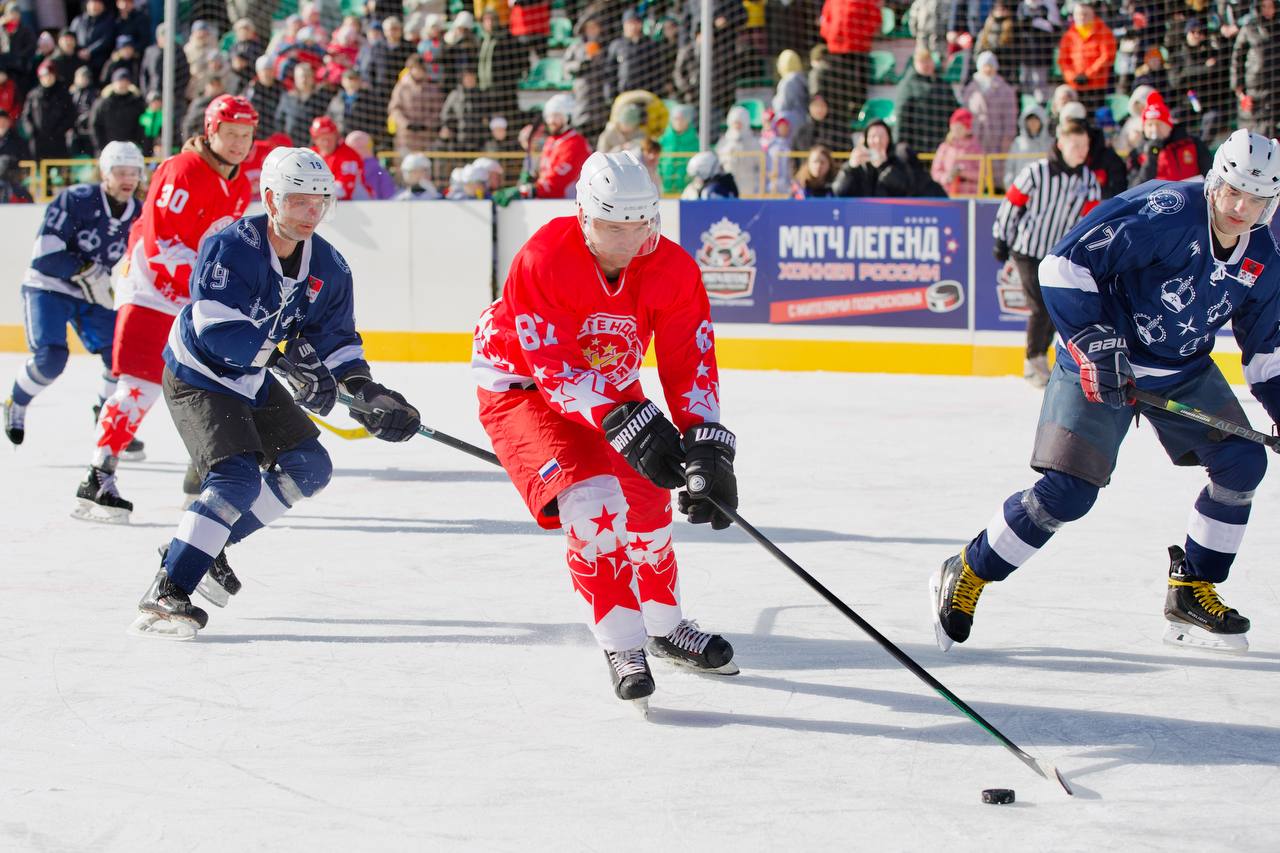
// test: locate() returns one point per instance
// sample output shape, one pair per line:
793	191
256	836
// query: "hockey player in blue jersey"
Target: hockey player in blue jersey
265	281
1137	291
83	234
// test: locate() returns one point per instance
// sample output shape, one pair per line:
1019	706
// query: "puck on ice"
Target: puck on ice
997	796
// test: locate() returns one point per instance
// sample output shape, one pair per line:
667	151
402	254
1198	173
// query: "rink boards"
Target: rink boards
848	286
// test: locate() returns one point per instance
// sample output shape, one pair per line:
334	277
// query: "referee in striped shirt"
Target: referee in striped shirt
1046	199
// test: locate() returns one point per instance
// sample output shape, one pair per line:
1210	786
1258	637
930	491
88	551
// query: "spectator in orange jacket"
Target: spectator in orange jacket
848	26
1086	55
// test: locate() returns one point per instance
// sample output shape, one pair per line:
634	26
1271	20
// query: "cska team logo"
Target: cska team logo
313	288
611	344
1249	272
728	263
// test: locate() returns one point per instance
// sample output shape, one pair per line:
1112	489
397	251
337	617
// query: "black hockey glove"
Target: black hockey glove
386	414
709	471
312	384
648	441
1103	357
1000	250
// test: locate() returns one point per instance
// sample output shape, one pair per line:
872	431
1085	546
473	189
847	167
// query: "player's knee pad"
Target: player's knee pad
1237	467
303	471
231	487
50	361
594	507
1059	498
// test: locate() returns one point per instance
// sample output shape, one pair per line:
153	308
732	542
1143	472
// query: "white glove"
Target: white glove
95	280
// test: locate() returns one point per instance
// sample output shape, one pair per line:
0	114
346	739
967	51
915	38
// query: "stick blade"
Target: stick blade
1052	773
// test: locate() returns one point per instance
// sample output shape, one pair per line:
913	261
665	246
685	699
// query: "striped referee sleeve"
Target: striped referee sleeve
1014	205
1054	204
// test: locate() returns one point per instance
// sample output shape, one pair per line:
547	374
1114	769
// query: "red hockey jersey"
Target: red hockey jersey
562	326
562	159
187	201
348	170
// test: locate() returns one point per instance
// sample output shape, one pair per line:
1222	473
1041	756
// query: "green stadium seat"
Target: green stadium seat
884	68
882	109
1027	102
1119	106
547	74
755	108
887	20
561	32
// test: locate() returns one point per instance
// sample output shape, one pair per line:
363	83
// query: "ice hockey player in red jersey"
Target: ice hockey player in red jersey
343	160
557	359
193	194
563	152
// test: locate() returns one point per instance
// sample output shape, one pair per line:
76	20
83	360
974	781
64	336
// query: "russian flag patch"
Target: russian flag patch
549	470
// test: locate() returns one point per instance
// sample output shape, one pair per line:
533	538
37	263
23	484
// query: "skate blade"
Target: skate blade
153	625
89	511
641	705
133	456
729	668
213	592
1188	636
939	633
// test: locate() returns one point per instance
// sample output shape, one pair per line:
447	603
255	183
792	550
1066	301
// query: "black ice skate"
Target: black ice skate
98	500
219	583
1197	617
166	611
632	680
137	449
15	421
697	650
954	593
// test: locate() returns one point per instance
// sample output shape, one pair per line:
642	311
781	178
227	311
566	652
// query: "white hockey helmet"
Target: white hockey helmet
618	188
297	170
1250	163
704	166
414	162
120	153
561	104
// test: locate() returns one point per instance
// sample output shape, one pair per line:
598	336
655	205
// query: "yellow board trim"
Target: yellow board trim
935	359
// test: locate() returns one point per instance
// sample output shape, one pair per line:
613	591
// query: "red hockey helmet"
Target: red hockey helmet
229	108
323	125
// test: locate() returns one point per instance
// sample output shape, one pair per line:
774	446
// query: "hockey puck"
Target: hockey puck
997	796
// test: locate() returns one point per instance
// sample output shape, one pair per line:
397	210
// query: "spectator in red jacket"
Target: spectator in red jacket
347	166
1167	153
563	152
848	26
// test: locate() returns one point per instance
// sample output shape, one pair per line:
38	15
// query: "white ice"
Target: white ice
406	668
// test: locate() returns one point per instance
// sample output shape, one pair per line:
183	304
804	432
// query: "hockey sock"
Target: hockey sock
658	579
1026	522
298	473
44	366
121	415
593	514
230	489
107	387
1215	530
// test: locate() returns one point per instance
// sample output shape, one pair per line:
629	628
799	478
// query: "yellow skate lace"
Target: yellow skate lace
968	588
1206	594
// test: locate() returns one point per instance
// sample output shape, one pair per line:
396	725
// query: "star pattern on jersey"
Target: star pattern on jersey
604	582
581	392
639	544
135	394
604	521
1189	327
171	255
657	581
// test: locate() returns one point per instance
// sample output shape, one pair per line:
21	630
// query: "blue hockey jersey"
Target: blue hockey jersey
242	306
78	228
1143	263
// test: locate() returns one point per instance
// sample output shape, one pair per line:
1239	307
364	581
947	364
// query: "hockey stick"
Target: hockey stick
444	438
1041	767
350	434
1158	402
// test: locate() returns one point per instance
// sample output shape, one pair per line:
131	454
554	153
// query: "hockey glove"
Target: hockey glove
95	280
1000	251
649	442
1103	357
313	386
386	414
709	472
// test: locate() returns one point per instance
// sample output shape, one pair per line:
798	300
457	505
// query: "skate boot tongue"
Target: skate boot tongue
692	647
632	680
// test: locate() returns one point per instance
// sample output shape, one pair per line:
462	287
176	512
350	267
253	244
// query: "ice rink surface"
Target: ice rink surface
406	669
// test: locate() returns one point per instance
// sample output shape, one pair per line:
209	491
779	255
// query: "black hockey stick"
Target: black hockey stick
435	435
1158	402
1040	766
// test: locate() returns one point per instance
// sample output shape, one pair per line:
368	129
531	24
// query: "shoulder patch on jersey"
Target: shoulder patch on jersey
81	190
249	234
1165	200
339	260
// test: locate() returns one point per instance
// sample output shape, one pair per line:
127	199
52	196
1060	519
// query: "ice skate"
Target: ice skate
137	449
98	500
166	612
15	421
1197	616
953	593
1036	371
693	649
632	680
219	583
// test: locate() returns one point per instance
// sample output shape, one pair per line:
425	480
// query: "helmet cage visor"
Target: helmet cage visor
1215	180
619	238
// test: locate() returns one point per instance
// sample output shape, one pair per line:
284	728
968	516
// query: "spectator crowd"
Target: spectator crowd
982	89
